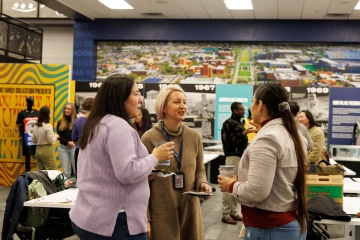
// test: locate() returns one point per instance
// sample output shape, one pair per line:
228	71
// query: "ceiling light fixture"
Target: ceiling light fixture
238	4
116	4
357	7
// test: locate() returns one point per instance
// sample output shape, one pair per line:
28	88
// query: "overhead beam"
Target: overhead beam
62	8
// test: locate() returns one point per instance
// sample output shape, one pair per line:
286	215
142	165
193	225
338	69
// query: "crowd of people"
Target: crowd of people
116	149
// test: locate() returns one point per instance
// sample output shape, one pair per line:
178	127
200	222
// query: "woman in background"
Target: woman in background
271	185
114	167
44	138
172	214
79	125
142	121
316	134
66	147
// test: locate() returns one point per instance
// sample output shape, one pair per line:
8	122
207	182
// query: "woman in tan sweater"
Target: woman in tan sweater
317	136
172	214
45	138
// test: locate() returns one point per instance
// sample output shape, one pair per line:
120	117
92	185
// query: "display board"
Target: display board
225	96
344	112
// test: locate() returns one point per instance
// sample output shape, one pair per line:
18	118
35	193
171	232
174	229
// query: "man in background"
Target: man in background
234	139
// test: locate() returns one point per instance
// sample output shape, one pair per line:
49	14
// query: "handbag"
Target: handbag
326	167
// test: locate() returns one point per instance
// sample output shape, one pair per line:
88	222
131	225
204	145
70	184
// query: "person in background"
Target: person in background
234	140
114	166
66	147
248	125
271	185
316	134
79	125
45	138
142	121
172	214
295	109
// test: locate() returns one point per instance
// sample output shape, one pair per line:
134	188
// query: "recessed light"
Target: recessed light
357	7
162	2
238	4
116	4
344	2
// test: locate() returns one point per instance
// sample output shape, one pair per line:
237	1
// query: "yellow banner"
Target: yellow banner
13	101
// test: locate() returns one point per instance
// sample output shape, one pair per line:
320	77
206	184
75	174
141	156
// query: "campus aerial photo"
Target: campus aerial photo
328	65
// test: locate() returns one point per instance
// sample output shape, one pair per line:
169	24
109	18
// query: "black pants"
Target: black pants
76	158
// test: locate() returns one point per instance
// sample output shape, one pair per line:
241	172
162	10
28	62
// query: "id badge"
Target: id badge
179	180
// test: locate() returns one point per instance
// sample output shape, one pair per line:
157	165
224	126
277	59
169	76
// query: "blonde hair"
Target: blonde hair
162	99
65	124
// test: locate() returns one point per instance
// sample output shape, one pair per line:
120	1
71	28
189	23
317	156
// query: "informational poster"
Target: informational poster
225	96
200	101
13	101
344	112
316	100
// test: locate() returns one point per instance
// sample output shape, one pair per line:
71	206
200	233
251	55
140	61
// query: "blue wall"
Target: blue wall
287	31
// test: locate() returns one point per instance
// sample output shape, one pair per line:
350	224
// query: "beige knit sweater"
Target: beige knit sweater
174	215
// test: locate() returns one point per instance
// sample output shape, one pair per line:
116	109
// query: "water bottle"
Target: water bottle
312	167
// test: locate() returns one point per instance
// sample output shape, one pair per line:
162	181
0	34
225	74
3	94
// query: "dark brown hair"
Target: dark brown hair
271	95
44	116
110	99
88	103
311	118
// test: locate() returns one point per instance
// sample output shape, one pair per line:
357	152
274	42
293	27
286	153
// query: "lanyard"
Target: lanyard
177	156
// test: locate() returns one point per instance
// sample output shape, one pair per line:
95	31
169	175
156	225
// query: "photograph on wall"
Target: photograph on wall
314	65
150	92
84	90
200	101
316	101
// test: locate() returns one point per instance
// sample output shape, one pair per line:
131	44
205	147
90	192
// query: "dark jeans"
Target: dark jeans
121	231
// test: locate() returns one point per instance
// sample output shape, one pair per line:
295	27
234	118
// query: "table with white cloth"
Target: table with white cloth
63	199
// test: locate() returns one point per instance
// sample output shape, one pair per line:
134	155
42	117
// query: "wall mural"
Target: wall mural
12	163
312	65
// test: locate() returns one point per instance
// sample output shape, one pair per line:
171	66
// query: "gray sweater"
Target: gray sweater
267	170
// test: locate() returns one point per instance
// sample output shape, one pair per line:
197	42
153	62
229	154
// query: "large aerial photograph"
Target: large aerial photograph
315	65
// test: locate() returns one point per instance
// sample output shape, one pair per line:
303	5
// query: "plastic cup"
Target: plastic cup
166	162
226	170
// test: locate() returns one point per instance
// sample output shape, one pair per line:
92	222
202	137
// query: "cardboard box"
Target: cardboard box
324	184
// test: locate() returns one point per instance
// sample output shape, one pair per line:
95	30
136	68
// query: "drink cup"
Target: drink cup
166	162
226	170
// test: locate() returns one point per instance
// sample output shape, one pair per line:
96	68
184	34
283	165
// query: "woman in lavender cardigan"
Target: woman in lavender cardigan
113	167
